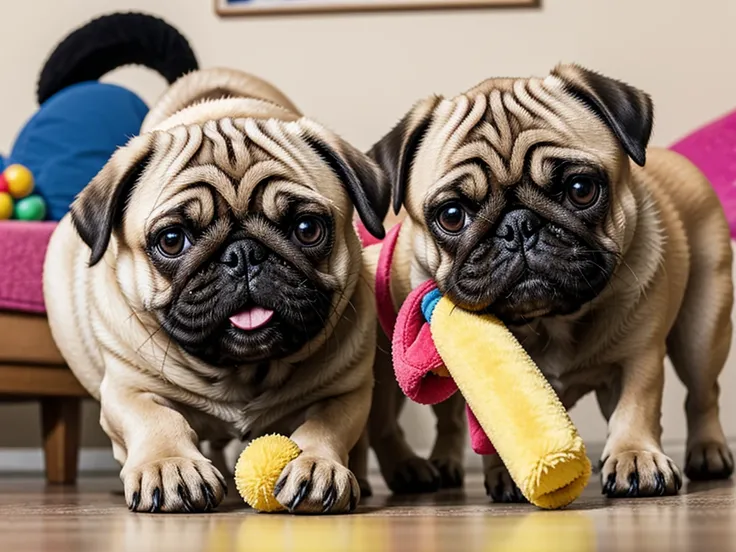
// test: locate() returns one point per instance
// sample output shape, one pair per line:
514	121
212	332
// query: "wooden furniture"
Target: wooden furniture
31	369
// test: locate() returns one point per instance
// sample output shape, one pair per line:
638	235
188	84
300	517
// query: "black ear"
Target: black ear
626	110
395	152
363	179
98	208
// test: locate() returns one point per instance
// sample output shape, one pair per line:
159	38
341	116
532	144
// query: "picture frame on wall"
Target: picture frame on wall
275	7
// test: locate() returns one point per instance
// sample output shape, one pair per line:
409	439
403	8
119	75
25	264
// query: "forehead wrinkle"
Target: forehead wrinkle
233	160
468	178
544	114
482	152
273	190
291	138
181	185
524	142
258	174
501	122
465	118
525	119
543	153
272	147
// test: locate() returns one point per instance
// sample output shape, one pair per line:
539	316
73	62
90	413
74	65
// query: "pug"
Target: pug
208	284
539	201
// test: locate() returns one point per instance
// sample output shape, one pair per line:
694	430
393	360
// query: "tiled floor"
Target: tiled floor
93	517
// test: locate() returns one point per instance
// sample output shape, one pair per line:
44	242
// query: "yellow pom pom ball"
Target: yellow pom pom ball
259	467
6	206
20	181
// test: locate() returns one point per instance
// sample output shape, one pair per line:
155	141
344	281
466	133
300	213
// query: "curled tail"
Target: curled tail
113	41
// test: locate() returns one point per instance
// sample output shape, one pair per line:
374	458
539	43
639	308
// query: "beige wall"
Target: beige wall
358	73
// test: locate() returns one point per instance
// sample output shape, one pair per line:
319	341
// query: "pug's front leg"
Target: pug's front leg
633	463
319	480
163	469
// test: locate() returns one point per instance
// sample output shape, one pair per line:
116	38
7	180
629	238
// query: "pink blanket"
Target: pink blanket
22	250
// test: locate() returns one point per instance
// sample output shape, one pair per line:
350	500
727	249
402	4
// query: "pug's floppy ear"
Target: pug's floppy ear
364	181
395	152
99	206
627	111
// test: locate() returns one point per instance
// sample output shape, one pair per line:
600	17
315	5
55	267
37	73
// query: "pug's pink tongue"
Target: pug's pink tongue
252	318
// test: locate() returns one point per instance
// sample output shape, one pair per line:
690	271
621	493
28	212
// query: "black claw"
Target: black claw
330	497
204	488
279	486
223	484
661	484
210	494
156	501
185	498
704	464
304	488
610	486
135	502
634	481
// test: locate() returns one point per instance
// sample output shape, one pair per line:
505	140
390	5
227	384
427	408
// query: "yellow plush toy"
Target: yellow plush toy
259	467
512	408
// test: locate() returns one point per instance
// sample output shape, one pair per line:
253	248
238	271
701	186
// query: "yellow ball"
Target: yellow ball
20	181
259	467
6	206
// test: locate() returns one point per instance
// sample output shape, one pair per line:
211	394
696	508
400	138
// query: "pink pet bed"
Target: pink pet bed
22	251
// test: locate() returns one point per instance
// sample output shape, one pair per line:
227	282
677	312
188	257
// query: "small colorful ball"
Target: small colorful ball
30	208
20	181
4	188
6	206
259	468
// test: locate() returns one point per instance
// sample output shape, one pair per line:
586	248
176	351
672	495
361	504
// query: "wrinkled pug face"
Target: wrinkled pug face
236	235
521	188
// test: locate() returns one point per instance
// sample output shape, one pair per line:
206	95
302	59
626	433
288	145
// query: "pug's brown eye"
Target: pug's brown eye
173	242
452	218
582	191
309	231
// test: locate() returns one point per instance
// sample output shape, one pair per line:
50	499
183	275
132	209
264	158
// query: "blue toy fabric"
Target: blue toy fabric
71	137
429	302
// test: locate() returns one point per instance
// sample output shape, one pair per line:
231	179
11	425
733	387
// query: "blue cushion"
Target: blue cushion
71	137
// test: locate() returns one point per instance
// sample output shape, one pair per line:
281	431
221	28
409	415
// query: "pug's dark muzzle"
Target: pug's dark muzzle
529	267
248	305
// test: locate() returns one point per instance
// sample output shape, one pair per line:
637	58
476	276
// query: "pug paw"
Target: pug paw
451	470
500	487
708	461
639	474
312	485
414	475
173	485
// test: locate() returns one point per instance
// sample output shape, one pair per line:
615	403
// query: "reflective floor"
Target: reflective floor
93	517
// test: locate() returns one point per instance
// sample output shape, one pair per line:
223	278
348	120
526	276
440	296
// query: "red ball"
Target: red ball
4	187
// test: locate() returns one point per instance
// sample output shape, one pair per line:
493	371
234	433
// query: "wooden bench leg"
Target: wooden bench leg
61	420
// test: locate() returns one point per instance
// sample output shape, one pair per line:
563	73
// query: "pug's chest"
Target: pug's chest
559	360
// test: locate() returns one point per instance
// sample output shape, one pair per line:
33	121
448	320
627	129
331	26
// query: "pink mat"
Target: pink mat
713	149
22	250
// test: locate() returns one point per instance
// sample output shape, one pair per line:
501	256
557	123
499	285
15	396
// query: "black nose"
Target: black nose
242	256
519	229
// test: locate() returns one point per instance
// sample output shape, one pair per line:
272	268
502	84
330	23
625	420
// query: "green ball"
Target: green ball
32	207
